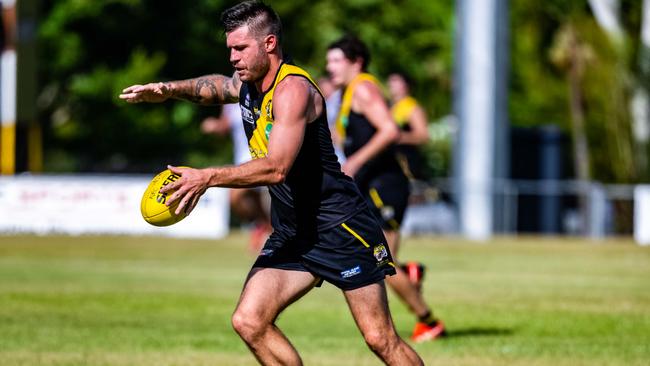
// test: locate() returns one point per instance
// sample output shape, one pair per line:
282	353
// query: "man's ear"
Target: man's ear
270	43
358	64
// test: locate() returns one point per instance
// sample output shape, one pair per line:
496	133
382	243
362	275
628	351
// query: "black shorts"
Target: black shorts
351	255
387	196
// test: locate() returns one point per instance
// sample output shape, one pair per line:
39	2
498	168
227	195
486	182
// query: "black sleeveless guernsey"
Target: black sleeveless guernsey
315	195
356	131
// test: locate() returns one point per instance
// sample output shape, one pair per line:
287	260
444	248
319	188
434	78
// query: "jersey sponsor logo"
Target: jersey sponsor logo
247	116
266	252
267	130
256	153
380	252
268	108
351	272
345	121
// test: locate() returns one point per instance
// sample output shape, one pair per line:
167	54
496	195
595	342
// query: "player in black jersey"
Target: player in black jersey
369	133
323	229
412	121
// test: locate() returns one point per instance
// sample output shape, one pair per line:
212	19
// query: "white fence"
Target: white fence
103	204
597	210
107	204
642	214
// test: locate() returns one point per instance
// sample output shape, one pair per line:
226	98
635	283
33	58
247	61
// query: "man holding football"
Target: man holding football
323	228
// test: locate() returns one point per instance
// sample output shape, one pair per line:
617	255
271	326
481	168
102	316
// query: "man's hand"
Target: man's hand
152	93
189	188
368	100
217	126
351	167
206	90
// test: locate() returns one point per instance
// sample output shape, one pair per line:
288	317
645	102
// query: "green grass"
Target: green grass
154	301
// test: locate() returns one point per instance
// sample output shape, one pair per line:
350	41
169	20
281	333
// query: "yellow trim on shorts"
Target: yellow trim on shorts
346	227
374	195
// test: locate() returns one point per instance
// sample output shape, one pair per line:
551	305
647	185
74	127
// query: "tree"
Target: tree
92	49
540	81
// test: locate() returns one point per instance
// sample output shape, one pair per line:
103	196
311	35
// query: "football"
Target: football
152	205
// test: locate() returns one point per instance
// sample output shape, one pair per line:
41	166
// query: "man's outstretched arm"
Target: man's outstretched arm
293	107
206	90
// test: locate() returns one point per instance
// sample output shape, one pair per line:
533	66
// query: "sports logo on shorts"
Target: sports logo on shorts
380	252
351	272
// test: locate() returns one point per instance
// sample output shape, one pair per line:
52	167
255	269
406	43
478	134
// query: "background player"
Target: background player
412	121
368	133
249	204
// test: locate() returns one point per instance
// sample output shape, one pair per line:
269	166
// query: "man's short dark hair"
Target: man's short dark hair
354	49
259	17
406	77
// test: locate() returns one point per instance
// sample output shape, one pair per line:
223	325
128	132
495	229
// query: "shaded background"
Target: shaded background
96	48
568	72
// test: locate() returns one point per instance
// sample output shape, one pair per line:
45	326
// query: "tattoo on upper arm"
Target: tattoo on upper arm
236	82
185	91
212	89
206	83
229	95
231	89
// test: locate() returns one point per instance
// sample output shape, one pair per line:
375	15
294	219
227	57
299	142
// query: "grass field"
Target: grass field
154	301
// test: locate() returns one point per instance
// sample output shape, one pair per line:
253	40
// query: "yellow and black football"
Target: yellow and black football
152	205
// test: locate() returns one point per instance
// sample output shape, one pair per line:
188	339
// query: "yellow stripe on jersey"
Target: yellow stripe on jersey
346	227
403	110
258	143
346	101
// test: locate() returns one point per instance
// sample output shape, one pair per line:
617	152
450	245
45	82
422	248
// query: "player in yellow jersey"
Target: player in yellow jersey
369	133
323	228
412	121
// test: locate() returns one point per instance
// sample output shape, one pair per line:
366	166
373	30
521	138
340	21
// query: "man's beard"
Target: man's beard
259	70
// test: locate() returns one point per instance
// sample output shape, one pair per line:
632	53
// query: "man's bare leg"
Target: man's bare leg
266	293
369	307
400	283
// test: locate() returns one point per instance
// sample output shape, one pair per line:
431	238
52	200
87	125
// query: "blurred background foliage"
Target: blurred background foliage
91	49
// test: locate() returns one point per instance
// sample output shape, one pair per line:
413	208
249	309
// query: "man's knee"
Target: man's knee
380	341
249	326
